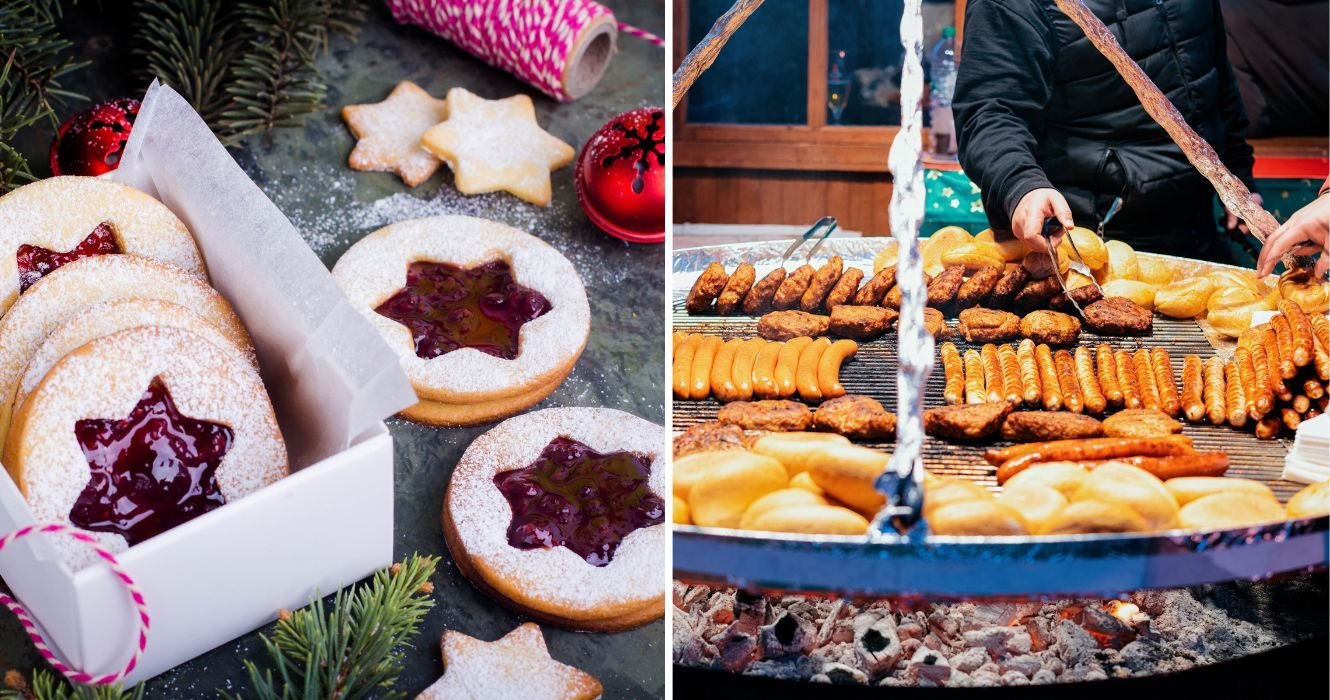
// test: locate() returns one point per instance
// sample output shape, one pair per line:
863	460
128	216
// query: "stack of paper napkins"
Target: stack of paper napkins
1309	460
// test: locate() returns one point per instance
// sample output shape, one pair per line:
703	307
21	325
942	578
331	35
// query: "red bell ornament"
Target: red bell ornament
621	176
91	142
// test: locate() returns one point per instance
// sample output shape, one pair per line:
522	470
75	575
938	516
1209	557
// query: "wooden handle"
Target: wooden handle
1232	192
704	54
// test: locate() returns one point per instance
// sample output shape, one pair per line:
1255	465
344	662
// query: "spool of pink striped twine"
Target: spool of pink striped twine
123	576
560	47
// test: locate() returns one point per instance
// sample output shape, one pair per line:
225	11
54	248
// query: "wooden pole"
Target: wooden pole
704	54
1232	192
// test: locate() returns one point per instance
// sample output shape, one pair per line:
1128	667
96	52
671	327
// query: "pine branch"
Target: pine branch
34	58
50	686
277	82
353	650
191	45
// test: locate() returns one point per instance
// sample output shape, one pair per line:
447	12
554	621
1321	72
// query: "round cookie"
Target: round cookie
465	385
68	290
59	213
557	584
97	395
107	317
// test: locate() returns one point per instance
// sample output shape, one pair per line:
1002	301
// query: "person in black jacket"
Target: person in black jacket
1047	127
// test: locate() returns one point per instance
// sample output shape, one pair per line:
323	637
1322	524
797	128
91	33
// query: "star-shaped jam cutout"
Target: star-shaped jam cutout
36	262
519	665
494	145
575	497
150	471
388	133
448	307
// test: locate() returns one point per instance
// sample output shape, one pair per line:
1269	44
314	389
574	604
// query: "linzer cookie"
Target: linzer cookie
58	220
558	514
69	290
494	145
140	431
388	133
487	320
476	670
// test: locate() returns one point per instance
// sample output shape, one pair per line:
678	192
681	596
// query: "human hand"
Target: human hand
1231	220
1027	222
1303	234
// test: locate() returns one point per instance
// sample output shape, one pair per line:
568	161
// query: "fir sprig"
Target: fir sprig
47	685
353	650
34	58
191	45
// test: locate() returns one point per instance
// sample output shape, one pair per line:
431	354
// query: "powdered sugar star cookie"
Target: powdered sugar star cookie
497	145
388	133
519	663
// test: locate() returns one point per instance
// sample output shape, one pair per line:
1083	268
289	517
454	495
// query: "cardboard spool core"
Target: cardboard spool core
594	47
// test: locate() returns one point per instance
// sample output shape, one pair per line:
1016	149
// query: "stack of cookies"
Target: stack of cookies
130	396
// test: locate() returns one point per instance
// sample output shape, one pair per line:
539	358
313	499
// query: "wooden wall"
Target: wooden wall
733	196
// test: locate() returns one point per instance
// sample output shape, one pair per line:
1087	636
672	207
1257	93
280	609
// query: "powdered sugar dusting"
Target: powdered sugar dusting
107	317
375	268
105	379
476	670
557	578
59	212
67	291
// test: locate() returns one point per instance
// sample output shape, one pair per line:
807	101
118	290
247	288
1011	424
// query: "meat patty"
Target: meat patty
845	288
1118	316
1083	295
758	299
741	280
784	325
978	287
877	287
943	289
980	325
1043	426
1013	280
792	289
1035	295
775	415
1051	327
970	421
1140	423
857	417
859	322
935	322
893	296
709	437
823	280
707	287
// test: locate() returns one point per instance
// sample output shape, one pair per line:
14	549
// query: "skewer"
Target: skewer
704	54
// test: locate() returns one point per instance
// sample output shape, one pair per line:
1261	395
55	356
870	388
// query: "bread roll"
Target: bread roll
812	519
973	256
1093	252
943	491
681	515
1122	262
1135	488
1302	287
1155	271
1140	293
1186	298
1064	477
1226	278
1311	501
886	257
1090	517
794	450
1039	505
803	481
1230	509
784	498
720	497
689	469
1190	488
942	240
848	473
985	517
1012	249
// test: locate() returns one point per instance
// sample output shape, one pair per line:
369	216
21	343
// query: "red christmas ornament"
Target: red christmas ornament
621	176
91	142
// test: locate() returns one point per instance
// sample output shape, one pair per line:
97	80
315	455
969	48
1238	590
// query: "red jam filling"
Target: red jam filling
447	307
575	497
150	471
36	262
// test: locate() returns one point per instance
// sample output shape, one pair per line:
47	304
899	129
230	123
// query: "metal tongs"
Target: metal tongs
1052	226
820	230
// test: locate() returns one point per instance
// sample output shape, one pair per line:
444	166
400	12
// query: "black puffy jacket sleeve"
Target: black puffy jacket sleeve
1235	152
1004	82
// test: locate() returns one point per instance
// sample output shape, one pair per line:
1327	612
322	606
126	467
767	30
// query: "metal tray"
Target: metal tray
945	567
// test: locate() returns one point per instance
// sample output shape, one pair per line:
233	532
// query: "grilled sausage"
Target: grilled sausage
1215	407
993	381
828	367
741	373
787	365
1199	464
974	378
1031	390
1193	389
684	350
1168	387
1108	375
1268	428
764	371
953	371
1092	394
806	373
699	376
1092	449
1235	395
1011	374
1270	348
722	372
1284	341
1048	377
1067	382
1145	380
1131	392
1302	332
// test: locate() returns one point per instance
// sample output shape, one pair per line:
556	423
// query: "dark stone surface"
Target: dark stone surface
304	171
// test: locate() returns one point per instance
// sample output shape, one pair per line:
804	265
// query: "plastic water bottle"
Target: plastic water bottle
942	63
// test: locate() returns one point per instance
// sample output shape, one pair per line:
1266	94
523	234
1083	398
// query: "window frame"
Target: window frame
815	145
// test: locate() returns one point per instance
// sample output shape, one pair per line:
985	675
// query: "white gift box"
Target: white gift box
332	380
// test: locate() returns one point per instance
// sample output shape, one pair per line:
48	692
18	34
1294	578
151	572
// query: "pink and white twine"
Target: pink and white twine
125	579
532	39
